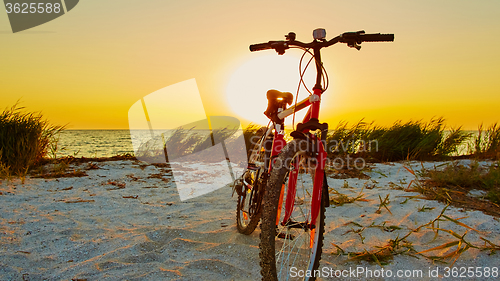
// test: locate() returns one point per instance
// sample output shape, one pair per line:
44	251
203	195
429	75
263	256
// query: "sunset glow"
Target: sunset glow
247	87
87	68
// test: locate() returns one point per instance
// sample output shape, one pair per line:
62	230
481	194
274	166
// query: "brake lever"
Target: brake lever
353	44
280	47
351	38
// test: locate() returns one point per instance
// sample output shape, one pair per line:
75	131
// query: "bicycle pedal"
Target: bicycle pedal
302	225
238	188
298	135
286	236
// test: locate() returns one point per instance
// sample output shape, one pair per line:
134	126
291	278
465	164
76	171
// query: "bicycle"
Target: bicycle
285	183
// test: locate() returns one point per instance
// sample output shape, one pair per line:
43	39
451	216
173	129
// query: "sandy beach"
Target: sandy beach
124	221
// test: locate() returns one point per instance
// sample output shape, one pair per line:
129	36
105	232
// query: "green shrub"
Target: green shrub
25	139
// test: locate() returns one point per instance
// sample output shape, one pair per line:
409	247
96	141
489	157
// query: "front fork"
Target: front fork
319	176
318	187
310	123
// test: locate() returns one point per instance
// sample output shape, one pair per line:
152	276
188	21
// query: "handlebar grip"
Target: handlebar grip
377	37
260	47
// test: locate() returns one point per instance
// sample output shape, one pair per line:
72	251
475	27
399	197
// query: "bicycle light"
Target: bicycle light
319	34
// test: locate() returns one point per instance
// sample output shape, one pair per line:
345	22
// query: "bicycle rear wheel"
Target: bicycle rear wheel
248	209
291	251
251	187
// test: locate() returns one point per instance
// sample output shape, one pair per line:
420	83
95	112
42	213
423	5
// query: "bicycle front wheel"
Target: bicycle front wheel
291	250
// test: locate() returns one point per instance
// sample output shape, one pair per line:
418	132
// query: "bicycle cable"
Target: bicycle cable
301	73
301	81
324	76
324	73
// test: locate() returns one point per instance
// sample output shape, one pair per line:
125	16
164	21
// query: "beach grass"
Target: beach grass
447	253
339	199
184	142
487	142
251	135
411	140
25	139
474	176
191	142
347	139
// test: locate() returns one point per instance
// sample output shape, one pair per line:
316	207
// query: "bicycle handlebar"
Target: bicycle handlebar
377	37
351	38
261	46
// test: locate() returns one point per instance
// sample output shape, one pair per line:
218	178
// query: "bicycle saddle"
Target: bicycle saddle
273	95
275	100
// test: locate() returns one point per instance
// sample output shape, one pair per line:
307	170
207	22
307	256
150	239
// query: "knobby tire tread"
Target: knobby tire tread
269	213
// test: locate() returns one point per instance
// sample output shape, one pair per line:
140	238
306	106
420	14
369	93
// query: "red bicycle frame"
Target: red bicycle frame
352	39
279	142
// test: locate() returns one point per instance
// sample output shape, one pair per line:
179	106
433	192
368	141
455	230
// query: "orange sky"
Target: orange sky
88	67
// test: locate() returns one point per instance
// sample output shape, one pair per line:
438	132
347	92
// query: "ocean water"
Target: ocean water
94	143
102	143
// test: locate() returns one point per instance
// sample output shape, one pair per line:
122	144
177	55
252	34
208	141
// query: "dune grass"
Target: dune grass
251	134
487	142
412	140
415	140
339	199
25	139
447	253
190	142
185	142
473	176
345	139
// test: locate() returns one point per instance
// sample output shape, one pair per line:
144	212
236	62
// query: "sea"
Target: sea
99	143
94	143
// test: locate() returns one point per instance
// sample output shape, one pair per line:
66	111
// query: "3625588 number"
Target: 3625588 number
464	272
33	8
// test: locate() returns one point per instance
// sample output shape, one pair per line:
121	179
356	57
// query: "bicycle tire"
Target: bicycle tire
249	205
276	262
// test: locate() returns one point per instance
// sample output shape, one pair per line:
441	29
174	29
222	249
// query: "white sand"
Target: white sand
87	228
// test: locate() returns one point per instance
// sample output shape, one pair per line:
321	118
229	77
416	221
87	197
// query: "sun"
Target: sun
248	85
